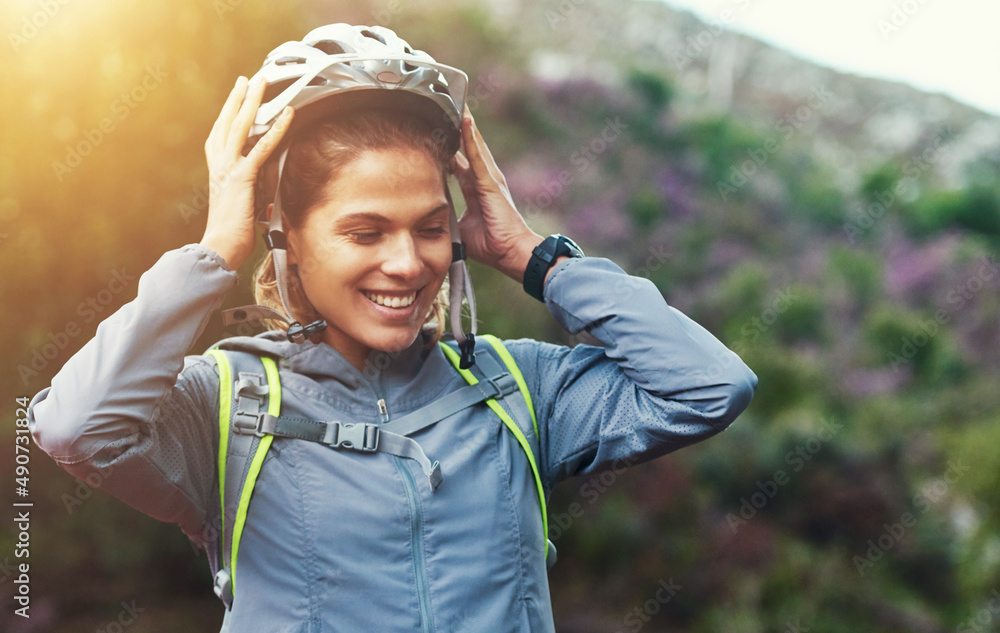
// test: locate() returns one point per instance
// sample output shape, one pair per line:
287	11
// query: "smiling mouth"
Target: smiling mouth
390	301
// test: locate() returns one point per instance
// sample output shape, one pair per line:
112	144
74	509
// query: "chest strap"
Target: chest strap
497	386
361	437
389	437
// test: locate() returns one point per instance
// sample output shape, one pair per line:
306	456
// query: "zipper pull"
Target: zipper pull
383	411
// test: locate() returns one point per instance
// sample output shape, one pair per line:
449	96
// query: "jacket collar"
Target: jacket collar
407	379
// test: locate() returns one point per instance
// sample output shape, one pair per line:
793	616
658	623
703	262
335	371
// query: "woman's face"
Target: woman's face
373	256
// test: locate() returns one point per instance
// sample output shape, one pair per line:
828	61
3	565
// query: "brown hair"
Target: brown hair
316	155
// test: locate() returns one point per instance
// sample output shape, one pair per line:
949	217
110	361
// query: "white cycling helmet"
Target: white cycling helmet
340	67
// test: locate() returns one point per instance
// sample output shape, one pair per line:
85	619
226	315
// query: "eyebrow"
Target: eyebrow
379	218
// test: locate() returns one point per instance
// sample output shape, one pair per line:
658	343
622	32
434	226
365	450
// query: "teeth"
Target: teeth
391	302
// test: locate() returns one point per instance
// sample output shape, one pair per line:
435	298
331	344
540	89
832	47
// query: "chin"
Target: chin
394	342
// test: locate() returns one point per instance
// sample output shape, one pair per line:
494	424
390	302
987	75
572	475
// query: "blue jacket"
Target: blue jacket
348	541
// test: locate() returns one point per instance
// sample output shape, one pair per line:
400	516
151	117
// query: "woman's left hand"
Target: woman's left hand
494	232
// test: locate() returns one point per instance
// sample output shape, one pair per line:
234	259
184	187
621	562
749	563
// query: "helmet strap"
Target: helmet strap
459	286
277	242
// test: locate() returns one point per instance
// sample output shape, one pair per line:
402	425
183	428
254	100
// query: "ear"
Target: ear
267	213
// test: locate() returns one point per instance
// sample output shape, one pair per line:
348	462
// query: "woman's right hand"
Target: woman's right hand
230	228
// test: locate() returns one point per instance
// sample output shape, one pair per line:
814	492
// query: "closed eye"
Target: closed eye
365	237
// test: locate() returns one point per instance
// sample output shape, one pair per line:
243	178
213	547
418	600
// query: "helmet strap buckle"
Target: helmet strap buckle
468	349
275	239
297	333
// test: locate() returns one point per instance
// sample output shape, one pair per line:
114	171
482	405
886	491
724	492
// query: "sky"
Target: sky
949	46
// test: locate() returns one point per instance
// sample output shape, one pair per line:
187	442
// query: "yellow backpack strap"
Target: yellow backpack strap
512	367
241	452
484	365
225	402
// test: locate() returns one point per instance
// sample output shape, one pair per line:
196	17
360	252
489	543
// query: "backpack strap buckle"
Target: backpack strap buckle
224	587
259	425
360	437
501	385
251	402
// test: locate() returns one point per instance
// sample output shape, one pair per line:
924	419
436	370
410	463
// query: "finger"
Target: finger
469	184
480	156
217	137
267	143
244	118
461	163
471	147
463	170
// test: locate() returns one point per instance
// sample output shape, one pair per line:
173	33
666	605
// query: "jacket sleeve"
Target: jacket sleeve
122	406
654	380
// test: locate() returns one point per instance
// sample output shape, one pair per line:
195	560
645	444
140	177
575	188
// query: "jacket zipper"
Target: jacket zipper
416	521
416	544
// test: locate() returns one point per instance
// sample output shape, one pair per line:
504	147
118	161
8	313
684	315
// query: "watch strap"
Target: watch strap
543	257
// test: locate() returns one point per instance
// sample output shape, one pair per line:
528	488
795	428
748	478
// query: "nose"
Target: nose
400	257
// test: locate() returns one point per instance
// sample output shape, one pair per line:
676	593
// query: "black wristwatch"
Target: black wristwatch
542	259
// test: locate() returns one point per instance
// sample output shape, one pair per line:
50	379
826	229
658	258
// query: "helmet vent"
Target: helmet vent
317	81
275	89
374	36
289	59
330	47
407	65
436	87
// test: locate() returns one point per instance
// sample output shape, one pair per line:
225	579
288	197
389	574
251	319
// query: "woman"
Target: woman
433	529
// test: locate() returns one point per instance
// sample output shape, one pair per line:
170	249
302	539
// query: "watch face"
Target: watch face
567	246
